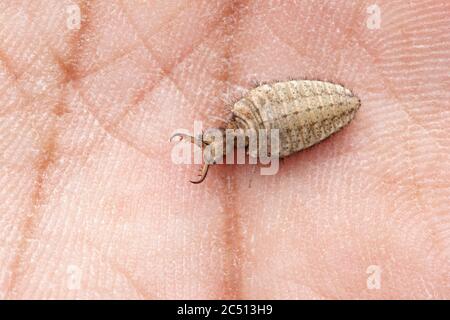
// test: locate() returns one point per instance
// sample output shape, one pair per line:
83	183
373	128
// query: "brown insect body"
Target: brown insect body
304	111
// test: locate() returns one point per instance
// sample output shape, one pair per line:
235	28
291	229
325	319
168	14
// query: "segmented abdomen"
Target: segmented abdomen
304	111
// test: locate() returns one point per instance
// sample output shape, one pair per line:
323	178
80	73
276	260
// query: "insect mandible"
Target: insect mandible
304	111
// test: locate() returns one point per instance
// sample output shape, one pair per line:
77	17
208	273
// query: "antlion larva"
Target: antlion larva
305	112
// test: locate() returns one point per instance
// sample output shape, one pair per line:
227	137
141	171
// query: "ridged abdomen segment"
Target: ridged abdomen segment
304	111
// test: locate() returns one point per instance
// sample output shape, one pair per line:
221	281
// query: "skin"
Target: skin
92	206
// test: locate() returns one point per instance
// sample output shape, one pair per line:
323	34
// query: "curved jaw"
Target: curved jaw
202	175
199	142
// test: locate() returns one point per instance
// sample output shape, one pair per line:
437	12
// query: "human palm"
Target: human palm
92	205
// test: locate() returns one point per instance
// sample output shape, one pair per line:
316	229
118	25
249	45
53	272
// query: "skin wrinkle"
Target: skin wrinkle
17	75
110	127
130	49
233	259
77	40
29	99
115	134
44	163
67	69
71	75
5	61
167	72
75	77
305	53
141	290
232	277
59	109
108	63
418	198
390	88
420	203
232	282
317	289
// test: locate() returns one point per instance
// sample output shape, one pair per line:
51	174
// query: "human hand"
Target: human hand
93	207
